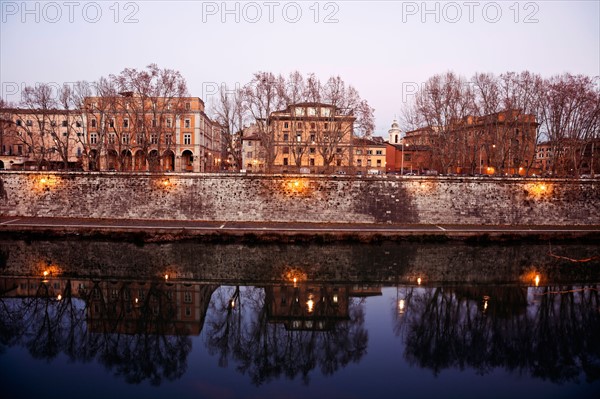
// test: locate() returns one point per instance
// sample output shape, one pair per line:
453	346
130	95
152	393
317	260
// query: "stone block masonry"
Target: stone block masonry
301	198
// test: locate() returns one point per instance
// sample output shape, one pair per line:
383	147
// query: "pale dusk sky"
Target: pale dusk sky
385	49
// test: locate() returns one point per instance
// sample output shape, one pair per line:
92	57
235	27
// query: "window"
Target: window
369	152
154	138
169	122
93	122
286	125
298	137
286	137
168	139
125	138
19	122
312	162
187	123
78	124
28	122
111	123
379	163
312	138
52	123
111	138
187	297
313	126
188	106
187	139
312	112
153	122
285	161
358	152
125	123
93	138
379	152
338	150
249	144
312	150
64	134
139	138
299	111
359	162
249	154
299	125
368	162
286	150
325	125
338	162
65	123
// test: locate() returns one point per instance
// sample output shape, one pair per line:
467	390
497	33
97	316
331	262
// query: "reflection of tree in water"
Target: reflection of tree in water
145	342
266	350
42	323
550	333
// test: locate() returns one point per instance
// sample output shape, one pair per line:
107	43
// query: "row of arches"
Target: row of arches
126	161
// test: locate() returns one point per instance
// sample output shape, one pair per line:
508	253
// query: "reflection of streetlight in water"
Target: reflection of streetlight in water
310	304
485	302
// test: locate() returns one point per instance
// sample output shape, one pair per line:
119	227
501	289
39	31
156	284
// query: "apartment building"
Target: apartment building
303	138
125	133
41	139
500	143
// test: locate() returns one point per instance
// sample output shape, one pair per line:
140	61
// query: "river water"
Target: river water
189	320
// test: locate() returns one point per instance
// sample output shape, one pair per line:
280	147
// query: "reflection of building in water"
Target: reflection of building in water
501	301
125	306
364	290
151	307
311	306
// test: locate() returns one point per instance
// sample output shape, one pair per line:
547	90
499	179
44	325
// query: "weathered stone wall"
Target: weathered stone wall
282	198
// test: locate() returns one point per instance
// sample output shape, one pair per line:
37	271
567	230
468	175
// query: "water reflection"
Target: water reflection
538	319
286	330
548	332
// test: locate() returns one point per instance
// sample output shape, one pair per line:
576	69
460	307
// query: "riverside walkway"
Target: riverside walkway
169	230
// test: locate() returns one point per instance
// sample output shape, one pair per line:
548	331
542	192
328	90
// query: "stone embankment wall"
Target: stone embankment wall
302	198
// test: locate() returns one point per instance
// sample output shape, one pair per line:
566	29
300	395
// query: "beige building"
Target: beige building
369	156
304	138
41	140
122	133
128	133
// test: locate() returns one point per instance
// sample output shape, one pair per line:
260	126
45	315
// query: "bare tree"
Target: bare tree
339	114
230	115
443	103
261	97
571	120
43	124
151	100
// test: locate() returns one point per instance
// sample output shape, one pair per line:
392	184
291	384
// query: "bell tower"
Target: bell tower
395	133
